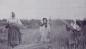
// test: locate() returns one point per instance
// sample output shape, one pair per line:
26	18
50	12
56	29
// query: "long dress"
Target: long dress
14	34
45	33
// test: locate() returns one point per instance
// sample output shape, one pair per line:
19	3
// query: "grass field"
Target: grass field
58	36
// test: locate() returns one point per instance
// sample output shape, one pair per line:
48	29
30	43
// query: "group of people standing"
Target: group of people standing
14	34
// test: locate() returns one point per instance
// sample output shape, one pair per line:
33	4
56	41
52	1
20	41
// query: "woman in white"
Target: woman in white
14	34
45	29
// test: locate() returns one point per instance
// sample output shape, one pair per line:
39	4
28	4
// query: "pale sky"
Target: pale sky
29	9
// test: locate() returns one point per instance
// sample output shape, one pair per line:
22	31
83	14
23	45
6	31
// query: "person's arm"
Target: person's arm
7	24
20	24
41	24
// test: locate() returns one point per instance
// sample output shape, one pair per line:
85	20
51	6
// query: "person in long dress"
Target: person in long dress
45	29
14	34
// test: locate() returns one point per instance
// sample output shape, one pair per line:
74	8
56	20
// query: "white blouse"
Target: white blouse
14	21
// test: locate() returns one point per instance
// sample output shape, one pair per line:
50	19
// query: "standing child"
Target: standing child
45	29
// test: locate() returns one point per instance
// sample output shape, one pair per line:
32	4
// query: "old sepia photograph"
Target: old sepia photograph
42	24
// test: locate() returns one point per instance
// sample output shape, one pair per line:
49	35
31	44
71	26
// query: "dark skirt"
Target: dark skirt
14	36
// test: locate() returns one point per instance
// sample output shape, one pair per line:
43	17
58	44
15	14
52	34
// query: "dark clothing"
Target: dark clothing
14	35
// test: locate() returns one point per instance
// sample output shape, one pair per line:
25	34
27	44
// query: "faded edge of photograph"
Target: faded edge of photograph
42	24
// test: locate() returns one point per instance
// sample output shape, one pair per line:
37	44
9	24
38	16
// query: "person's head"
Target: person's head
44	20
12	15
